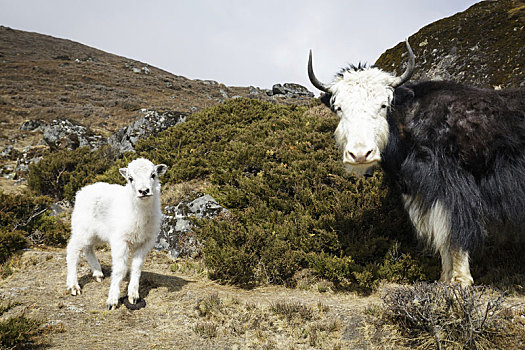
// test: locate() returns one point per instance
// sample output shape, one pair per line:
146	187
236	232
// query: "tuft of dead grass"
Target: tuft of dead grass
442	316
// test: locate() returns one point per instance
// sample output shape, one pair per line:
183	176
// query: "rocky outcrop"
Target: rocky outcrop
176	235
29	155
32	125
152	123
65	134
290	90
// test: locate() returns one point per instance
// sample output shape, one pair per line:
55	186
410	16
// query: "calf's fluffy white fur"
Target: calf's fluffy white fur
127	217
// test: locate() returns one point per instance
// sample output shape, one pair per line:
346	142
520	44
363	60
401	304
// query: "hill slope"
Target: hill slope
483	46
44	78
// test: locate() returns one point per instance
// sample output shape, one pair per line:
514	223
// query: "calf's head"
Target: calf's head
143	177
361	97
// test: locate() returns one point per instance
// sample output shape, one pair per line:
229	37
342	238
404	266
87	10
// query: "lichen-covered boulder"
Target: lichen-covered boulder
152	123
176	233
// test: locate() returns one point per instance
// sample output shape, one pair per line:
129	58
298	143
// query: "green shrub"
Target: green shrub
292	204
10	242
400	268
17	332
61	174
53	231
19	211
25	217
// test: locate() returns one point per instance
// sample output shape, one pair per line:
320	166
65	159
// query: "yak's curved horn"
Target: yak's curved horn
410	67
312	77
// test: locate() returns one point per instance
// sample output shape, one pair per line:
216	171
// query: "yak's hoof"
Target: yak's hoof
98	275
463	281
75	290
111	303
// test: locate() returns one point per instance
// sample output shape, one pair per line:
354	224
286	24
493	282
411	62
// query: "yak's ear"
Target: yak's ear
124	172
325	99
403	95
161	169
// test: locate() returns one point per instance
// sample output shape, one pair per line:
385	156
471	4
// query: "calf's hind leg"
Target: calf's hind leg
73	255
93	262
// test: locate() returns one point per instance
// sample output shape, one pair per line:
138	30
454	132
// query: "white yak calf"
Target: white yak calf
127	217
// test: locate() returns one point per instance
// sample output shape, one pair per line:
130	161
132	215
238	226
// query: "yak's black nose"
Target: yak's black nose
144	191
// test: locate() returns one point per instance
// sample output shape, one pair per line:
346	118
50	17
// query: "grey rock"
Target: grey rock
296	89
9	152
152	123
31	125
61	207
64	133
203	207
176	233
290	90
223	93
278	89
8	172
29	155
253	91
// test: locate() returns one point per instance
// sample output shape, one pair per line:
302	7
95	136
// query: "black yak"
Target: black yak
456	152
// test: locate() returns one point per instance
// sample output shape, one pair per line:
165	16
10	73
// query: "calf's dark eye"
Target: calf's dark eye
152	176
130	179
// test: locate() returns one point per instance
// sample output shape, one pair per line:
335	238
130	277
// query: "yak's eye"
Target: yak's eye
383	106
337	109
130	179
153	175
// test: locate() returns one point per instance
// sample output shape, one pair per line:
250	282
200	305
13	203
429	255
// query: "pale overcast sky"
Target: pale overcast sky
235	42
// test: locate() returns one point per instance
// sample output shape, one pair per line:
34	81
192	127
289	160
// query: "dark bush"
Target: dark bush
18	332
61	174
10	242
25	217
293	206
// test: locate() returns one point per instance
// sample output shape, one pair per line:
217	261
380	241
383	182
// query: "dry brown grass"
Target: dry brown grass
183	309
441	316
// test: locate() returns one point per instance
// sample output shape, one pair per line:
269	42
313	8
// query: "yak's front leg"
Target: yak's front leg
461	268
119	257
137	260
446	264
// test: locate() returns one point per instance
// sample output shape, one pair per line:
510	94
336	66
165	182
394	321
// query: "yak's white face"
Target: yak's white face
361	99
143	177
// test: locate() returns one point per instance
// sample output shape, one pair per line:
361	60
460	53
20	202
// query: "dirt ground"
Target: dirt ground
184	310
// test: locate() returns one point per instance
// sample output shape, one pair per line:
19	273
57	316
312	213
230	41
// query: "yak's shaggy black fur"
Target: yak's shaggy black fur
464	147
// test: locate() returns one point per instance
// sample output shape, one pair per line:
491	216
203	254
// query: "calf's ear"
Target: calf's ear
161	169
124	172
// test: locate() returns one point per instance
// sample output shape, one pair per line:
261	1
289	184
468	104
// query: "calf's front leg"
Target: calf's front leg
119	257
137	260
